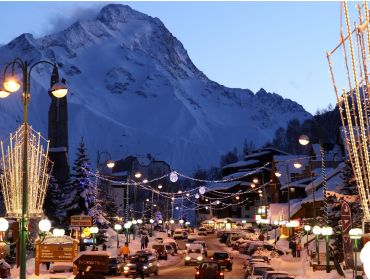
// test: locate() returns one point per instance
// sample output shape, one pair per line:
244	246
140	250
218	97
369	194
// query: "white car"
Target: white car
277	275
203	243
194	254
180	234
256	270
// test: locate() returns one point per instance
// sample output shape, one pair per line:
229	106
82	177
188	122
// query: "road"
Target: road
174	268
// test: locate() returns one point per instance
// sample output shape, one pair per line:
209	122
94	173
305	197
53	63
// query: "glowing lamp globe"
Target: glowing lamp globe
4	93
206	199
137	175
139	221
174	177
244	221
151	221
277	174
110	164
365	258
117	227
134	222
326	231
218	202
202	190
160	222
307	227
188	194
187	223
179	192
237	197
4	224
255	180
294	223
316	230
355	233
44	225
177	207
172	221
253	185
11	84
276	223
94	230
160	186
145	181
59	90
304	140
127	225
58	232
197	196
181	221
297	165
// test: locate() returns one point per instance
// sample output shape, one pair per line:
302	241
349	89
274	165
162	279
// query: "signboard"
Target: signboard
95	262
81	221
87	231
52	252
346	226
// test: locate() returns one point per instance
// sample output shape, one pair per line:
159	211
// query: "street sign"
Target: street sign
95	262
86	231
81	221
55	252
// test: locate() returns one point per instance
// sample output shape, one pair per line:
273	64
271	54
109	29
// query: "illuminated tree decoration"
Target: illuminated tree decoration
174	177
12	177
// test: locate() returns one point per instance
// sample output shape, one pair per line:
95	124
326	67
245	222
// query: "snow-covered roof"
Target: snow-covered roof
335	154
256	154
298	184
329	173
241	164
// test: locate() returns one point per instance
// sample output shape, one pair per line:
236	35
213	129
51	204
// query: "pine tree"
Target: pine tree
99	216
53	202
349	182
81	199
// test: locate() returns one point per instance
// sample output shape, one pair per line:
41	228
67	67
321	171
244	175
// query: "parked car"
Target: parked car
202	231
266	259
277	275
223	259
209	270
174	245
191	238
180	234
256	270
232	238
170	249
194	254
203	243
210	230
223	237
149	263
115	266
161	251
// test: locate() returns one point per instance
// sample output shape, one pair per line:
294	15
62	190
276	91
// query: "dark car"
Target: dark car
115	266
148	263
223	237
161	251
209	270
223	259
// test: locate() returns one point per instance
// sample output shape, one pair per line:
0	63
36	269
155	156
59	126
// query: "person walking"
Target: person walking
142	242
125	251
299	248
294	248
146	241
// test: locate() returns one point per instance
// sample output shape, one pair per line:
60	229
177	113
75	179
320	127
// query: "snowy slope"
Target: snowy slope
134	89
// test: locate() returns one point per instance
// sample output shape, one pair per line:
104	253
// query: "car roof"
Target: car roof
261	264
195	246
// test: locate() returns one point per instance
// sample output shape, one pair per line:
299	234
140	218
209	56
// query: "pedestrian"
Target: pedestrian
294	249
146	241
299	248
125	251
142	242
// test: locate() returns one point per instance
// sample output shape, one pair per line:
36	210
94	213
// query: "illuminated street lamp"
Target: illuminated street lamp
255	180
355	234
117	228
110	164
127	226
11	84
94	230
317	231
137	175
304	140
307	228
297	165
327	231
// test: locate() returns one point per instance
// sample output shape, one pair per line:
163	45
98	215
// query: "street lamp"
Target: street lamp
304	140
117	228
151	221
127	225
327	231
317	231
355	234
11	84
94	230
307	228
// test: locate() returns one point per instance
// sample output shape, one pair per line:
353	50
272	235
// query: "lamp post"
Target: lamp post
307	228
117	228
276	223
127	226
11	84
317	231
327	231
151	221
94	230
355	234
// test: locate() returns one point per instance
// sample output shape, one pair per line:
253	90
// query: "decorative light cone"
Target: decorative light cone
117	227
277	174
3	92
110	164
137	175
297	165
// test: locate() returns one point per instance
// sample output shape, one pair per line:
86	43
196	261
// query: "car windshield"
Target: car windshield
209	266
220	256
194	251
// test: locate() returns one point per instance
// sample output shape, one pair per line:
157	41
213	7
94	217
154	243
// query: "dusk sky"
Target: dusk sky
278	46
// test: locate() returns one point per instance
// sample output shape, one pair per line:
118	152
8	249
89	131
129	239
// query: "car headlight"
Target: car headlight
187	258
126	268
199	258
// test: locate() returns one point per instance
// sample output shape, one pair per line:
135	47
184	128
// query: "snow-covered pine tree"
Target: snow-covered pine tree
81	199
349	181
53	203
109	207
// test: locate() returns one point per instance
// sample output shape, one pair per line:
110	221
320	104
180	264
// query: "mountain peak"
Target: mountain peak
114	14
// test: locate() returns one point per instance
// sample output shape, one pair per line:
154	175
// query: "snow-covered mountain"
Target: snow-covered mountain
134	89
